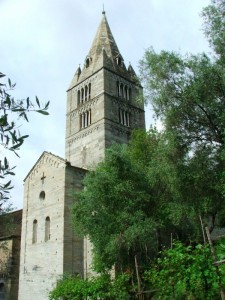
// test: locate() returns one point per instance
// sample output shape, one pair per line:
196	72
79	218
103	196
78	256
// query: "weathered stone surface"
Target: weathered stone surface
49	192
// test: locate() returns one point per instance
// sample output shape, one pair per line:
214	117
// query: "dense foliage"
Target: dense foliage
185	272
180	272
188	96
140	195
127	201
11	111
95	288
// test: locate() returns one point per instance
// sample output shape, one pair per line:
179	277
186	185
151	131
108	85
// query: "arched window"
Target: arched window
89	91
82	95
47	229
34	238
78	97
87	62
118	88
121	116
128	119
42	195
80	121
85	119
86	92
89	117
129	94
124	117
125	91
118	60
121	90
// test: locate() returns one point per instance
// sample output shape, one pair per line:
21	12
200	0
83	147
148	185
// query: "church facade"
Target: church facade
102	109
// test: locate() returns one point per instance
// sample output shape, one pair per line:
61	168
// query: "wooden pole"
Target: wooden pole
138	278
203	232
171	247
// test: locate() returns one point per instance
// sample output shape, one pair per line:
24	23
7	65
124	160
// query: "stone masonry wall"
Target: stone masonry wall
42	261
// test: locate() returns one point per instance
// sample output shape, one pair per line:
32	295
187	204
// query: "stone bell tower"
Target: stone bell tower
102	106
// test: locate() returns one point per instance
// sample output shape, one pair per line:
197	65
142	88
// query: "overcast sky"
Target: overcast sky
42	42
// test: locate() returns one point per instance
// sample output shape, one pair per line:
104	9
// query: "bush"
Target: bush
95	288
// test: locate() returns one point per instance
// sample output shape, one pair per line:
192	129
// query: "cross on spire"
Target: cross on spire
103	11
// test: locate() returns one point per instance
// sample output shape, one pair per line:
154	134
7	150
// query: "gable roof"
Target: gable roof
52	159
50	155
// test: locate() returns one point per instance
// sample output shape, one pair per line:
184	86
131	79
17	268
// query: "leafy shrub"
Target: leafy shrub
101	288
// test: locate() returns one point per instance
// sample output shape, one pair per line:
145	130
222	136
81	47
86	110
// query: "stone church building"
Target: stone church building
101	110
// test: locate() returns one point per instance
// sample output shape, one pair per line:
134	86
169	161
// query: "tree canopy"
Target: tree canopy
133	201
188	96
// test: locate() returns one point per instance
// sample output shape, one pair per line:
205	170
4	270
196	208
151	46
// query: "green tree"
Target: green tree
11	112
188	96
132	202
113	210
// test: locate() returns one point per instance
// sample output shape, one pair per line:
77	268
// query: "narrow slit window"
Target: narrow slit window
87	62
82	95
129	94
89	118
89	91
118	88
78	97
121	90
86	92
34	238
47	229
125	91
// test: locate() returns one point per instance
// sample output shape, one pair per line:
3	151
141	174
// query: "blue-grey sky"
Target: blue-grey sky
44	41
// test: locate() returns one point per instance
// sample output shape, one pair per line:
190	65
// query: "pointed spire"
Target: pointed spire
103	53
78	72
75	77
131	70
103	39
